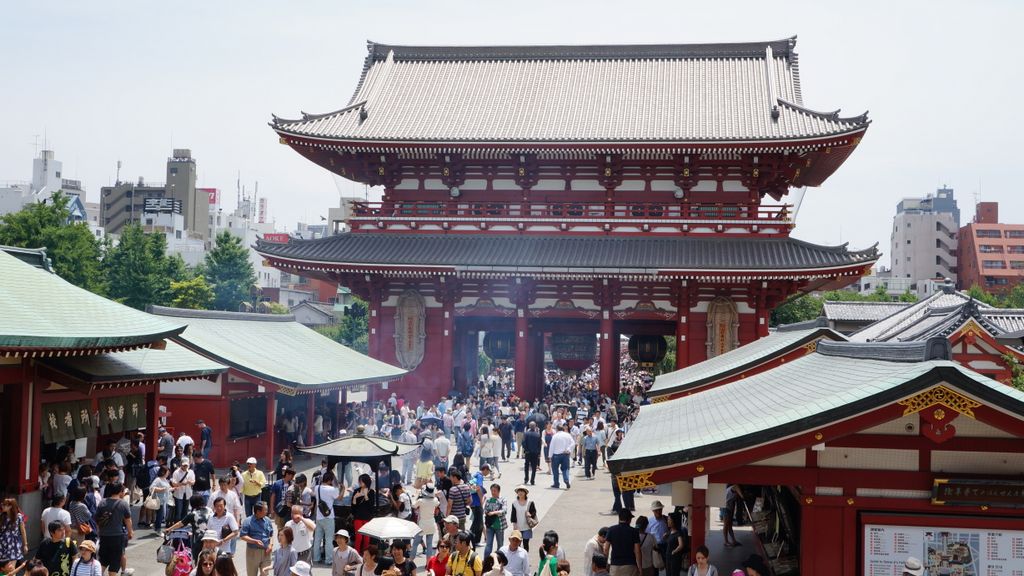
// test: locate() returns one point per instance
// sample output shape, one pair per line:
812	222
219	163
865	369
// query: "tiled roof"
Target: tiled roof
40	311
172	363
808	393
1008	319
637	254
736	360
917	317
861	311
647	93
277	349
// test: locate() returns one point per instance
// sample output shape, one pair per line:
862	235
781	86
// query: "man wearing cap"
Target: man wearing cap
518	557
451	531
346	559
913	567
624	542
253	481
657	523
181	481
205	438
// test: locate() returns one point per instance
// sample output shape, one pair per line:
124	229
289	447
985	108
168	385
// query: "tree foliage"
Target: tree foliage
192	293
353	330
71	247
809	306
139	271
1012	299
229	272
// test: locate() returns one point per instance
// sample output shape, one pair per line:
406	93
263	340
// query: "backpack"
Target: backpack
103	515
465	441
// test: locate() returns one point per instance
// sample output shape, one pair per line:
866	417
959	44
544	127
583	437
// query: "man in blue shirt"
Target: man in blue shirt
476	505
205	438
257	532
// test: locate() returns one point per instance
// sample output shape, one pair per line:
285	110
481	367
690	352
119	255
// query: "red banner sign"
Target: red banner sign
278	238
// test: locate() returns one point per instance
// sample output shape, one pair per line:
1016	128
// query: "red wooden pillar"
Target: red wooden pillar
19	433
698	521
152	419
310	416
447	349
683	328
762	311
271	397
374	305
606	373
522	366
537	373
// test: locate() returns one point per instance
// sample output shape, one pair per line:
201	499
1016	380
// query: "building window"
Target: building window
149	221
177	234
994	281
1017	264
1015	233
990	249
987	234
174	170
993	264
908	242
908	258
1015	249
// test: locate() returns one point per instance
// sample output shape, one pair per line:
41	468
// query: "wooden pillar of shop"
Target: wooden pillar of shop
683	327
607	355
537	362
763	312
153	419
271	397
22	420
698	521
523	380
310	417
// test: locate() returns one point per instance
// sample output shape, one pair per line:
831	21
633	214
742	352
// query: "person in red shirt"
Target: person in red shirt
438	563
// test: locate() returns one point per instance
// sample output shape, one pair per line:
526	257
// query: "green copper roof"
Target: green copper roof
277	349
175	362
40	311
806	394
734	361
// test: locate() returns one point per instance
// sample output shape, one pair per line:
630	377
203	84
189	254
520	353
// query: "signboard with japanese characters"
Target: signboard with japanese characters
63	421
966	492
122	413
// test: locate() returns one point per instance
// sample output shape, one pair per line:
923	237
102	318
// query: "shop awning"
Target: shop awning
276	350
796	400
42	315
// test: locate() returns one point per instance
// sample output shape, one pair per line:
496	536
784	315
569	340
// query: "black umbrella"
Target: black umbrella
427	421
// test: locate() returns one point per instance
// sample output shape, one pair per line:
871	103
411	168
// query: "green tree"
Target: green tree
1016	371
229	272
277	308
71	247
979	294
799	309
138	269
193	293
355	330
1015	299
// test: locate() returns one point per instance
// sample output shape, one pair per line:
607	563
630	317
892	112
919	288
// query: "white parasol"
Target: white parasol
390	528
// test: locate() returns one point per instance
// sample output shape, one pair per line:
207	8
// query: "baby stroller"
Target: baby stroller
176	543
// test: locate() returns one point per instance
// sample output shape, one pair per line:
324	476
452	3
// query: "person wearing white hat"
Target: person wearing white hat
425	506
346	560
253	481
913	567
301	569
657	523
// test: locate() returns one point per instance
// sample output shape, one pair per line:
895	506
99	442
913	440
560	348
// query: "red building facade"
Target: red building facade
595	190
990	254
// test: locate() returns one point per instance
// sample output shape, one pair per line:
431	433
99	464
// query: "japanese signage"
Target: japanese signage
944	551
279	238
261	213
1005	494
63	421
122	413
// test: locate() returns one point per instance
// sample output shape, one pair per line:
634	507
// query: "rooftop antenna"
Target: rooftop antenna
35	145
238	189
117	179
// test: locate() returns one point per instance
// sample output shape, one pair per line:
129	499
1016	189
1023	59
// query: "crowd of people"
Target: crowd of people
286	519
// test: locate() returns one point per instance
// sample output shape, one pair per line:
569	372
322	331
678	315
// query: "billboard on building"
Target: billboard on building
213	194
261	216
279	238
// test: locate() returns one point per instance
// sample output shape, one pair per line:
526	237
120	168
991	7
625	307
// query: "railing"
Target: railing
608	215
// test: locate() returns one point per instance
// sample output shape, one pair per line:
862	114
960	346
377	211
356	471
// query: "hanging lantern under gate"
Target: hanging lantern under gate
647	350
499	346
573	352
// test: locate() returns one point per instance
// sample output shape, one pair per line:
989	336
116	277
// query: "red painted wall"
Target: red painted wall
185	410
430	380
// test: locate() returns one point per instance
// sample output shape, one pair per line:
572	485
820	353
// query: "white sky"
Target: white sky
128	80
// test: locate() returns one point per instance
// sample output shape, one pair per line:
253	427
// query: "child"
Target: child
8	567
87	564
56	551
285	556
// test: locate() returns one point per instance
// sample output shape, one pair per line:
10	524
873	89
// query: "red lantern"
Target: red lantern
499	346
647	350
573	352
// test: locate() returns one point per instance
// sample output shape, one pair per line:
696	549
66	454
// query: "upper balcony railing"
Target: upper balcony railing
578	217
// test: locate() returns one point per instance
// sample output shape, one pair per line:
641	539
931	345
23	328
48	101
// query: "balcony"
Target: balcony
582	218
